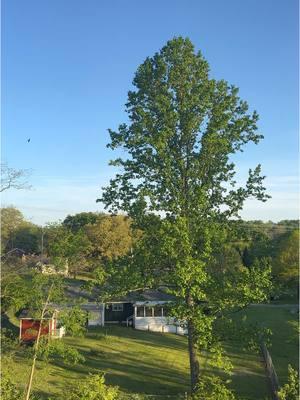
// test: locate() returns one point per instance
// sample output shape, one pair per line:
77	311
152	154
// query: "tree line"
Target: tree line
87	240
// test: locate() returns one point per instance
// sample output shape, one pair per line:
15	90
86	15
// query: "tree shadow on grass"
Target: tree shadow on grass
130	375
155	339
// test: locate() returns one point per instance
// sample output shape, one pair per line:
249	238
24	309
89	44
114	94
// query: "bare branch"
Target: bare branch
13	178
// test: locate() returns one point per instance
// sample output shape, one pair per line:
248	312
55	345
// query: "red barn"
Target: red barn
29	326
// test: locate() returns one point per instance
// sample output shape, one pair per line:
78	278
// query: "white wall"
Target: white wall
95	318
158	324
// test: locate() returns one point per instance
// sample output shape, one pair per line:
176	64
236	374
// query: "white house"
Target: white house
144	311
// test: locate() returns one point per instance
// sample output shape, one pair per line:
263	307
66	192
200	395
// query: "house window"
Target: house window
140	311
117	307
149	311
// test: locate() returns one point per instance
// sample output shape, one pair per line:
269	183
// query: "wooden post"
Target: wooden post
20	333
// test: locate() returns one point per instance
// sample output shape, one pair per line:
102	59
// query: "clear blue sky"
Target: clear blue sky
67	66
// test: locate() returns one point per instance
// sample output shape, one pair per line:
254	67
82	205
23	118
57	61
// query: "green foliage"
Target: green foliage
286	262
9	390
93	388
16	232
28	238
57	349
78	221
43	286
290	391
74	321
9	343
111	237
11	220
184	129
212	388
64	245
14	290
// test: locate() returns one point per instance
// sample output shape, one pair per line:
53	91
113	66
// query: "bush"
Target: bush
290	391
212	388
93	388
9	390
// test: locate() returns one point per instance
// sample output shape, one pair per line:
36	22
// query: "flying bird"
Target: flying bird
28	140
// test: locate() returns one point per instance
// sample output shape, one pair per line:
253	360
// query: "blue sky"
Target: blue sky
67	66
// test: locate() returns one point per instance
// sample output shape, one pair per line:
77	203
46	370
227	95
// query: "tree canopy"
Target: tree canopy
184	127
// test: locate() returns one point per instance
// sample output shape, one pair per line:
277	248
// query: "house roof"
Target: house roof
149	295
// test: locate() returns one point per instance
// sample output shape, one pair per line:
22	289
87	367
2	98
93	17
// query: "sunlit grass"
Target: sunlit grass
148	362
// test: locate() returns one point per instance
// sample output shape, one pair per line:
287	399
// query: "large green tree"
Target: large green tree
17	233
65	246
183	129
78	221
111	237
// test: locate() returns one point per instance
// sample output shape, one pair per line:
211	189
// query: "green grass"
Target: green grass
283	322
148	362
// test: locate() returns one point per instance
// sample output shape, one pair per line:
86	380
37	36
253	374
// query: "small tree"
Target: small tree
111	237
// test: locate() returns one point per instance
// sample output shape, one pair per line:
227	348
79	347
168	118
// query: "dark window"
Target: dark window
149	311
157	311
117	307
140	311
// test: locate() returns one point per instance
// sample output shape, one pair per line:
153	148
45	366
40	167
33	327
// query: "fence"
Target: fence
271	371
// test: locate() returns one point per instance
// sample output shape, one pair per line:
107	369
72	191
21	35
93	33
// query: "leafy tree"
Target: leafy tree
14	291
286	261
74	321
65	246
184	127
111	237
28	238
11	220
212	388
78	221
260	247
17	233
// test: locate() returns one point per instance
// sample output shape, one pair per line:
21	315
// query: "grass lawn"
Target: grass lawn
283	321
148	362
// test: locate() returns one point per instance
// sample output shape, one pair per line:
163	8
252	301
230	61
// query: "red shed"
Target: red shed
29	326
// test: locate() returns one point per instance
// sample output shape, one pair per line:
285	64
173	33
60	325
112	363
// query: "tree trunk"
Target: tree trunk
194	362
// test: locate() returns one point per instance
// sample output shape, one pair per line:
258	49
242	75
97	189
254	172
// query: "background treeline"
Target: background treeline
87	240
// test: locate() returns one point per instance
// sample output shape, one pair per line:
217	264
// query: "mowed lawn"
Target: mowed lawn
155	363
283	322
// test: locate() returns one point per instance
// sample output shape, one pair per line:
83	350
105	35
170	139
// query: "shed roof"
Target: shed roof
33	314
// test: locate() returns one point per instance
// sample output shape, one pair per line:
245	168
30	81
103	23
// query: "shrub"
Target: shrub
212	388
290	391
93	388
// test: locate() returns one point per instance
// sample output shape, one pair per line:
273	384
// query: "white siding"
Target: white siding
95	318
158	324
